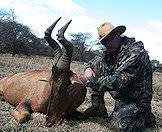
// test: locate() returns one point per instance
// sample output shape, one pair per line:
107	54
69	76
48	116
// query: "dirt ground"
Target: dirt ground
10	65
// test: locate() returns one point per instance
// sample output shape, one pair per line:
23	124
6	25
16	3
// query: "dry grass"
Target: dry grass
10	65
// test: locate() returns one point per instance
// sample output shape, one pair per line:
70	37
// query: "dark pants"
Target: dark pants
127	117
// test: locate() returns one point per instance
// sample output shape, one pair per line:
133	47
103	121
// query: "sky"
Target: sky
143	18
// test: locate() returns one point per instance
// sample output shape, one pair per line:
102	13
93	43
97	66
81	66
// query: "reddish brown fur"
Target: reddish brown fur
30	92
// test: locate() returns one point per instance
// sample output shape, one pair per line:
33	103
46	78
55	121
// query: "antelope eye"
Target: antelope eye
61	77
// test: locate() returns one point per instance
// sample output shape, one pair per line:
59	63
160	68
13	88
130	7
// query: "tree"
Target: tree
95	44
16	38
79	40
155	62
7	15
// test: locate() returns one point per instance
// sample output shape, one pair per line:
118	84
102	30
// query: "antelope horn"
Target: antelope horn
61	32
55	46
49	29
62	66
65	59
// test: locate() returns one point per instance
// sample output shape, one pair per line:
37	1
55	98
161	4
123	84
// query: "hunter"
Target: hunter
125	71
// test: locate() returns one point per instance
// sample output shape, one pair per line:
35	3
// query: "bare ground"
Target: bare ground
10	65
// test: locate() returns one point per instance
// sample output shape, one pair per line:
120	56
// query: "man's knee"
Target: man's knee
127	118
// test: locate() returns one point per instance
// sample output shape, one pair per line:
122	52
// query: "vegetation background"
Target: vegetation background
21	50
10	65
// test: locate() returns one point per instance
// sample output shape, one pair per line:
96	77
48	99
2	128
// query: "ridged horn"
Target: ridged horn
65	59
55	46
49	29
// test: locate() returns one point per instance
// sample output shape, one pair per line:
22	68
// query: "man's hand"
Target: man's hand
88	74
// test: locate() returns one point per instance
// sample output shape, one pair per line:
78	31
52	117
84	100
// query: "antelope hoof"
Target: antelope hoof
21	117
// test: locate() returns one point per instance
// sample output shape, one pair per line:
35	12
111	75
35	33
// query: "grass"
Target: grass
10	65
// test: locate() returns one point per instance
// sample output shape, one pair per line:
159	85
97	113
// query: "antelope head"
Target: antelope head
61	69
60	78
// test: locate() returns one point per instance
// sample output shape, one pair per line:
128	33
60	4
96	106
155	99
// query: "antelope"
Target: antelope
46	91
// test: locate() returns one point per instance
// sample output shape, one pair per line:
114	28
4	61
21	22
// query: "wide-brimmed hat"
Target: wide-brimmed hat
106	29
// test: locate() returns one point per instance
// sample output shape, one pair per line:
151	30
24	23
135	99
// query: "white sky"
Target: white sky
39	14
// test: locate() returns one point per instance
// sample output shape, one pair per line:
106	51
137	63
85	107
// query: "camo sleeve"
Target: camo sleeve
94	63
124	73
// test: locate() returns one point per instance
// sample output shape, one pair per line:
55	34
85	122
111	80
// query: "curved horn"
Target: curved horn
65	59
49	29
55	46
61	32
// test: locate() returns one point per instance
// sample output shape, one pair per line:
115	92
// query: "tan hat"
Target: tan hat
106	29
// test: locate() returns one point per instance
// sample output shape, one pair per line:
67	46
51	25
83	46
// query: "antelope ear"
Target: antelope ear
75	79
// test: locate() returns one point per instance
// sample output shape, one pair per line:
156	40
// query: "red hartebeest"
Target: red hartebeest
46	91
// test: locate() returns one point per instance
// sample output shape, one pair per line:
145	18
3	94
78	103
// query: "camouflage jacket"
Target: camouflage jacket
128	75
